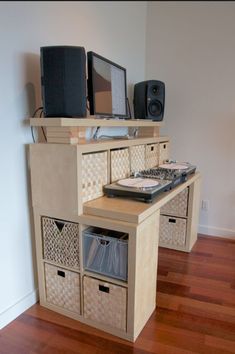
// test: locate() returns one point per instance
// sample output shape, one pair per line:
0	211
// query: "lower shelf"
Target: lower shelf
105	303
172	231
105	252
62	288
96	300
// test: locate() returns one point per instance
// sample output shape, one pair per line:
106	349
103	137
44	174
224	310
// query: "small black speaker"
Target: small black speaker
149	100
63	80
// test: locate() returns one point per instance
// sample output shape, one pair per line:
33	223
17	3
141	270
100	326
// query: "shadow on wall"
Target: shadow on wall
31	218
31	102
32	94
31	72
130	89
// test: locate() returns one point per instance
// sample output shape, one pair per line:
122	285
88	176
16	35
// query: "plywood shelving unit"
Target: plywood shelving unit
67	181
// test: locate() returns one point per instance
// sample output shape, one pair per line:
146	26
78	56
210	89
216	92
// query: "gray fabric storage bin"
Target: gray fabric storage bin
105	252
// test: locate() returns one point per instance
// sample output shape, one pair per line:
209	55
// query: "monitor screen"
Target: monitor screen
106	87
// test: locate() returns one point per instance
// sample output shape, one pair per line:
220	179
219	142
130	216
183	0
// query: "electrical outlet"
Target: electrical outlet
205	205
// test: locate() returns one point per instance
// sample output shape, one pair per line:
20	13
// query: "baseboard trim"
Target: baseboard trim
18	308
216	231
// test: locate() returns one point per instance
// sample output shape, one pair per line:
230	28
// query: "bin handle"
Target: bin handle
103	242
59	225
104	289
172	220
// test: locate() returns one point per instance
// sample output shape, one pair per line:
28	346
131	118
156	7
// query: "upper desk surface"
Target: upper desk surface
92	122
131	210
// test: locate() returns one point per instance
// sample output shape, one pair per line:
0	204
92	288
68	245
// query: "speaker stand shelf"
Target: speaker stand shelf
73	131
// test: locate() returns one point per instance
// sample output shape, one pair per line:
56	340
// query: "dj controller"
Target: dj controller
145	185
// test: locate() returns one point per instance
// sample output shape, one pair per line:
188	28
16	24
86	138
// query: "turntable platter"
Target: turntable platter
138	182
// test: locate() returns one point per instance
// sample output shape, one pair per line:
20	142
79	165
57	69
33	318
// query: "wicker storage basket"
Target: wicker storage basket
94	174
60	242
62	288
151	155
105	303
164	152
137	158
178	206
172	231
120	164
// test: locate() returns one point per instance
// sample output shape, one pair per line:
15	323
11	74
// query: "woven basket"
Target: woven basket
62	288
137	158
60	242
164	152
94	175
172	231
120	164
178	205
105	303
151	155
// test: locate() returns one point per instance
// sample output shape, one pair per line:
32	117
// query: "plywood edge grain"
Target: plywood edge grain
92	122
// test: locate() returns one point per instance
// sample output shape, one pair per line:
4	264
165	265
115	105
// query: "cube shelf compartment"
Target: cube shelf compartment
178	206
105	252
172	230
62	288
105	303
60	242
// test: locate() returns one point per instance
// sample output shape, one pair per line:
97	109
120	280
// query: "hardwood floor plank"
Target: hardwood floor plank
70	338
226	297
196	323
173	302
219	343
192	280
184	291
200	270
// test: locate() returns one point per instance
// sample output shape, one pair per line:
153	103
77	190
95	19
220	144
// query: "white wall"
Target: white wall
191	47
115	30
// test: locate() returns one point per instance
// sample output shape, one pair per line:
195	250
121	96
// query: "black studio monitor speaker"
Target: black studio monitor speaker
63	80
149	100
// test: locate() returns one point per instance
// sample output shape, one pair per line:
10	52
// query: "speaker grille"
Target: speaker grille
63	78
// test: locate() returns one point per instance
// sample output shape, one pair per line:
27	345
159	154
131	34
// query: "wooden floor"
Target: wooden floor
195	312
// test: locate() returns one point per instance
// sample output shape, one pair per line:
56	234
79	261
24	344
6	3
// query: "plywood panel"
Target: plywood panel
145	271
54	177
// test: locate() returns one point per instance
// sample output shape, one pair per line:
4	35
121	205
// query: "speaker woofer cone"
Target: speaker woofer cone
155	108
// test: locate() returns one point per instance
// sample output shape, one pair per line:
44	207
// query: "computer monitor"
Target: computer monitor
107	92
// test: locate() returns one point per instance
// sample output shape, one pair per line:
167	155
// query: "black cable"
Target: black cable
88	104
129	108
38	109
34	114
95	135
44	134
32	134
42	127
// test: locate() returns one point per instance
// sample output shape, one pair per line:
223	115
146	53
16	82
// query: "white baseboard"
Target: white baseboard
18	308
216	231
